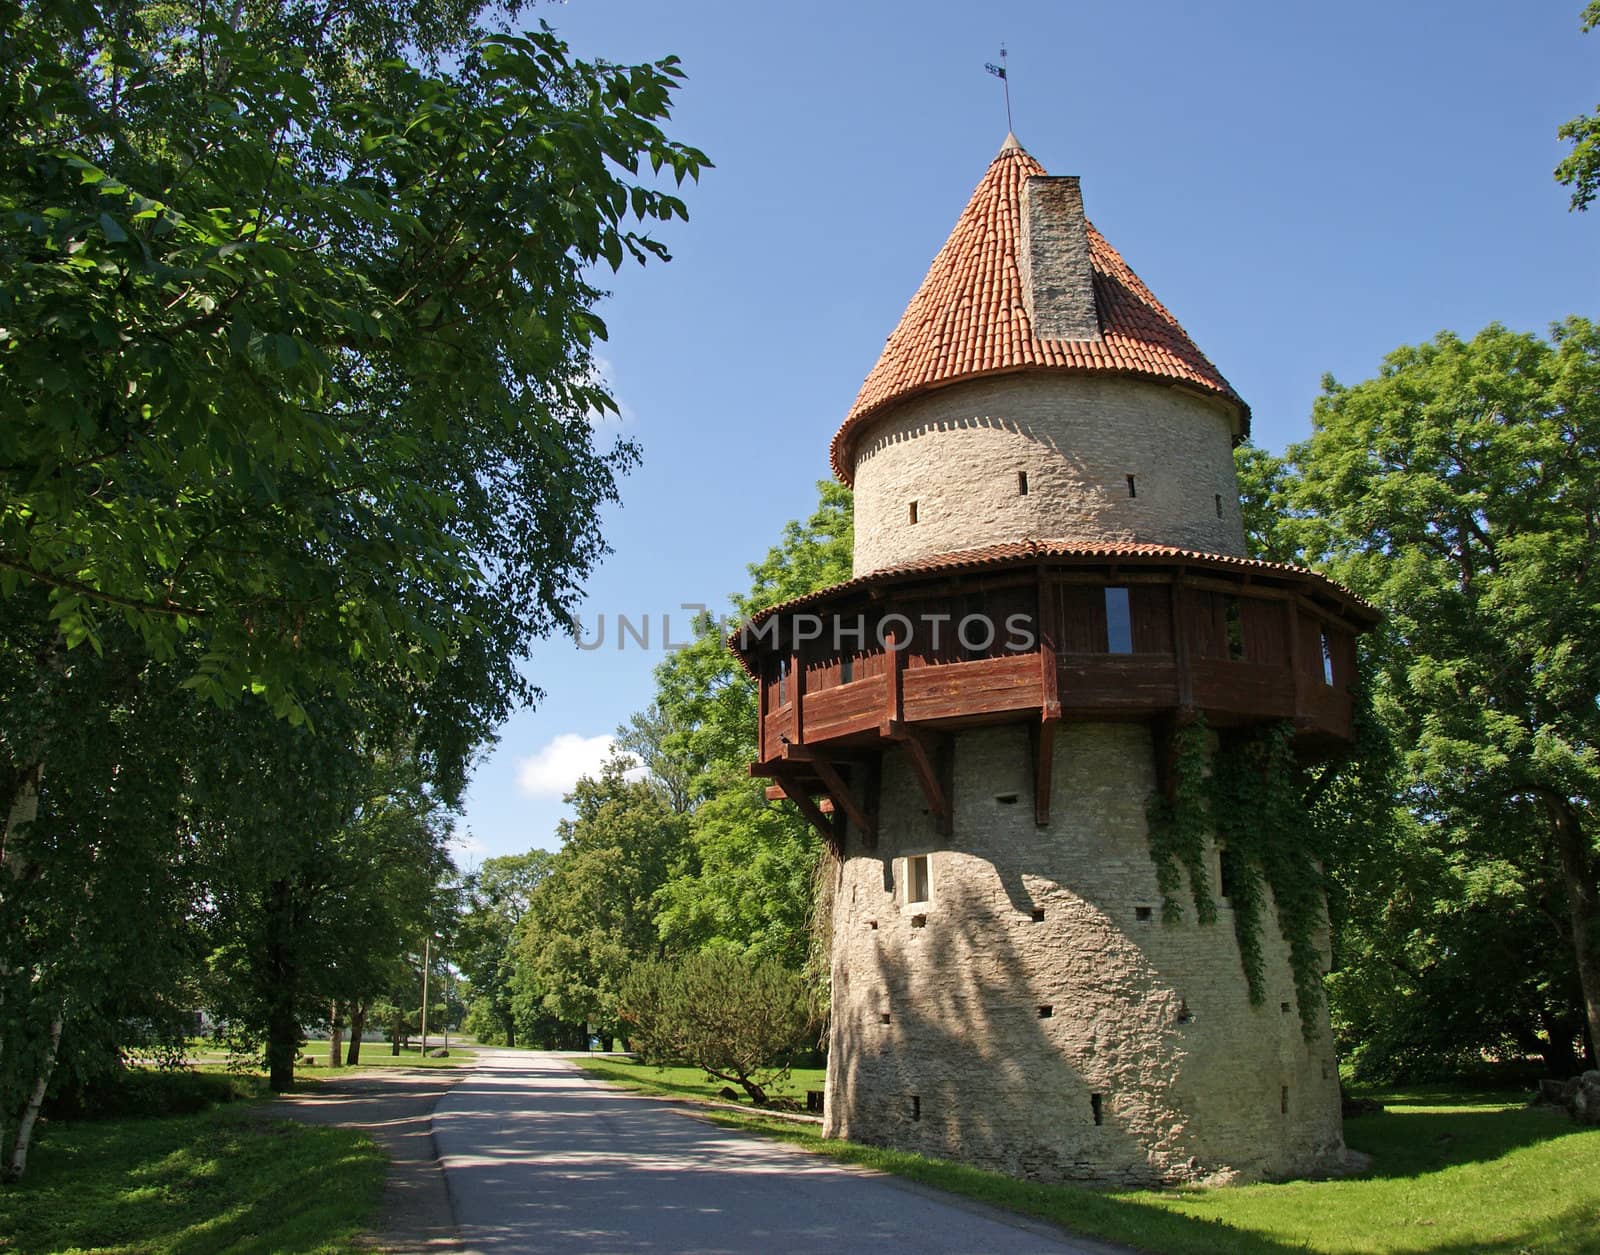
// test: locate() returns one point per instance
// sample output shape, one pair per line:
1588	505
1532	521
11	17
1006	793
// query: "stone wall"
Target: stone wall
956	453
940	1044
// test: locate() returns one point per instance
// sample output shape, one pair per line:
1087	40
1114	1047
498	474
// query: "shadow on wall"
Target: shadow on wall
1036	1017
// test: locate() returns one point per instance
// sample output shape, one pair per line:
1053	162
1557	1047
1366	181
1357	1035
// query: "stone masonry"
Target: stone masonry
957	451
940	1041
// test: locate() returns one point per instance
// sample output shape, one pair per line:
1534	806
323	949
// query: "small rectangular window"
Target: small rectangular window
913	512
917	880
1045	1012
1097	1106
916	1106
783	681
1283	1099
1235	628
1133	488
1219	505
1227	872
1327	658
1022	483
1119	622
847	668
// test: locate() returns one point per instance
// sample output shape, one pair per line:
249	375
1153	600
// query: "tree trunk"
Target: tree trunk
283	1022
1581	872
358	1026
336	1036
1556	1045
17	1151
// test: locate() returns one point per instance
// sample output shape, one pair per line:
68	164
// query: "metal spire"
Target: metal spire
999	71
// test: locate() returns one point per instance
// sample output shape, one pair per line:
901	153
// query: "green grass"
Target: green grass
221	1182
373	1055
1451	1174
692	1082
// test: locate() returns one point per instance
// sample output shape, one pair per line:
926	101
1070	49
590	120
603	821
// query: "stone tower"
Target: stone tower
1050	579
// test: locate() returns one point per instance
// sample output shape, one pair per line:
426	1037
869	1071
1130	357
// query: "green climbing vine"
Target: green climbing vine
1253	795
1180	825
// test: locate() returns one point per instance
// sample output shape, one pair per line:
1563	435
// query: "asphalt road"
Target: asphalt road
538	1158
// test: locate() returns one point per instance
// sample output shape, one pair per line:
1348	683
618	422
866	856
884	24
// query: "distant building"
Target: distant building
1050	581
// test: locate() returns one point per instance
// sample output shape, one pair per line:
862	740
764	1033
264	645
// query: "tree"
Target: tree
591	918
297	369
1457	491
1580	169
736	1017
498	896
335	333
750	883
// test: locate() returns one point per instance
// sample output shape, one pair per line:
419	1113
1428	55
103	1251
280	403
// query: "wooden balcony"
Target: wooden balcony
1084	639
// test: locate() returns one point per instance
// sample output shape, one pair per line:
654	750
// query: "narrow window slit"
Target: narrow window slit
1219	505
1097	1106
1022	483
916	1106
1133	488
913	512
1283	1100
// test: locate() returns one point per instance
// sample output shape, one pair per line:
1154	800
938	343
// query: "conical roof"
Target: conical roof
969	318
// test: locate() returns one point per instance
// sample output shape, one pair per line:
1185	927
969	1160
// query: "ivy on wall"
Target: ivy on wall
1252	795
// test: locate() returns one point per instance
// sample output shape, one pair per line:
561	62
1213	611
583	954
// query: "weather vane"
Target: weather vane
999	71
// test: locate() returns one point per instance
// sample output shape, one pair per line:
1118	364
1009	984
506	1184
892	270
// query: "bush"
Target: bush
740	1019
145	1092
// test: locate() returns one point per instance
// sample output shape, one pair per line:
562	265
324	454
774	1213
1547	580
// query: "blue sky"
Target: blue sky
1305	187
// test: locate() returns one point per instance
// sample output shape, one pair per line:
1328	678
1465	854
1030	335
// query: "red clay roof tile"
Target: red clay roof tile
968	317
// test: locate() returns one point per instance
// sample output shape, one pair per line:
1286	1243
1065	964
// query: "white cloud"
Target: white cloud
554	768
603	374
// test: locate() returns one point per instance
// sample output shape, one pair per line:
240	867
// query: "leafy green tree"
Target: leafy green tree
737	1017
1580	169
590	919
1457	491
297	366
328	324
497	898
750	883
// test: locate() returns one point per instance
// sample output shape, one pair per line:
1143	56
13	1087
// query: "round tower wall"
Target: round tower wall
1035	1015
940	472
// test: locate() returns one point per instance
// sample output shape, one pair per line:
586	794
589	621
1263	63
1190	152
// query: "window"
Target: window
1219	505
1327	658
1235	628
1097	1107
1022	483
783	681
847	668
913	512
1227	872
1119	622
918	884
1133	488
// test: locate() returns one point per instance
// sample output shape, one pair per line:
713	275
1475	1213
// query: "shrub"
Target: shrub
738	1018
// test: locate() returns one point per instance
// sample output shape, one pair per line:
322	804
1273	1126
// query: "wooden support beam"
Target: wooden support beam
823	762
797	678
895	667
813	813
1042	747
775	793
931	762
1180	645
1292	620
1049	626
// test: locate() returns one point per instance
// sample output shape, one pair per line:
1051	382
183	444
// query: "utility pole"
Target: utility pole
425	942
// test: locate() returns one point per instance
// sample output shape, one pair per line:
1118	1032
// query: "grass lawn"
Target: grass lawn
220	1182
692	1082
210	1058
1451	1173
